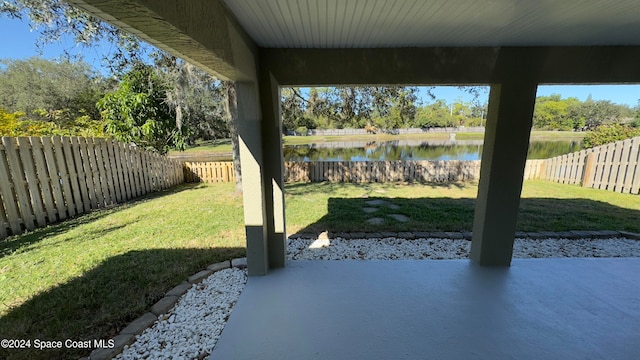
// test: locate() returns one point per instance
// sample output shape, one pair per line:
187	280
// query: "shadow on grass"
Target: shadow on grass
303	188
101	302
448	214
14	244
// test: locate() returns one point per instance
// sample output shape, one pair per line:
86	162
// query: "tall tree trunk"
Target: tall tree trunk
231	110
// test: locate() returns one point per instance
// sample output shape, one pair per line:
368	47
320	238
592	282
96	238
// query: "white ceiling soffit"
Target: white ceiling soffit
422	23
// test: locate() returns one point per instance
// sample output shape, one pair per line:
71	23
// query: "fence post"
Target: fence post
589	170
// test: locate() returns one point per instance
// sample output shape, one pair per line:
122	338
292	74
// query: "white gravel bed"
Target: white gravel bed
439	249
192	328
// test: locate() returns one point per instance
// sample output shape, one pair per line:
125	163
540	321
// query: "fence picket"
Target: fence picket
77	149
125	159
615	166
73	175
112	171
44	179
634	162
28	165
97	199
606	166
4	222
64	176
19	182
120	173
8	194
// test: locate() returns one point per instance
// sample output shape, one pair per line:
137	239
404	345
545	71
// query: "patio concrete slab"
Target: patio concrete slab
445	309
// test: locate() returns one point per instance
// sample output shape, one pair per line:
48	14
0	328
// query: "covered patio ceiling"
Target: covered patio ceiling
420	23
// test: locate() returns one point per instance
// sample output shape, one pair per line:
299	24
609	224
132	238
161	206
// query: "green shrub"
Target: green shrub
605	134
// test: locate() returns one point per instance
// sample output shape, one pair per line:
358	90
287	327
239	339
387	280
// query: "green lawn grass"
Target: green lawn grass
86	278
211	146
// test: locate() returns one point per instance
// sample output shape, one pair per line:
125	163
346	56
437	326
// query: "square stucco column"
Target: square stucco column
252	165
273	169
504	155
260	140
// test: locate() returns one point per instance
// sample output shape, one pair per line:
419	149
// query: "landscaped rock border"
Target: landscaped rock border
409	235
128	335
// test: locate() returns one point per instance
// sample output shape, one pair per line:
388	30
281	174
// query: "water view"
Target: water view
414	150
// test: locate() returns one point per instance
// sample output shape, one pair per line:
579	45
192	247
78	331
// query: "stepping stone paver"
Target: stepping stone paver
369	210
399	217
393	206
375	221
376	202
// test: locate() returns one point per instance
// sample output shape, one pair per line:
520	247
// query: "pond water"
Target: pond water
414	150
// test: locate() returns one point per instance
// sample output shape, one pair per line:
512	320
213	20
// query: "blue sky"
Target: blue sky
18	42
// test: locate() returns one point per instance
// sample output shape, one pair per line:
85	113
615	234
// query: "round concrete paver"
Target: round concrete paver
399	217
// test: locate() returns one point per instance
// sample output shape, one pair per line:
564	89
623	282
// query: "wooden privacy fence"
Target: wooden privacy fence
44	180
381	171
210	172
347	171
614	167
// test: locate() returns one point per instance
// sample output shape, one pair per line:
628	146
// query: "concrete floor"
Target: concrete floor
444	309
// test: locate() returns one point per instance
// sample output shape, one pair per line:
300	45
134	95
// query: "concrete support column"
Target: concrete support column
506	142
273	169
252	165
260	137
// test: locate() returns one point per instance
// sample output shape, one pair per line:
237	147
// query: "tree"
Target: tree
196	99
57	91
600	112
554	113
137	112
